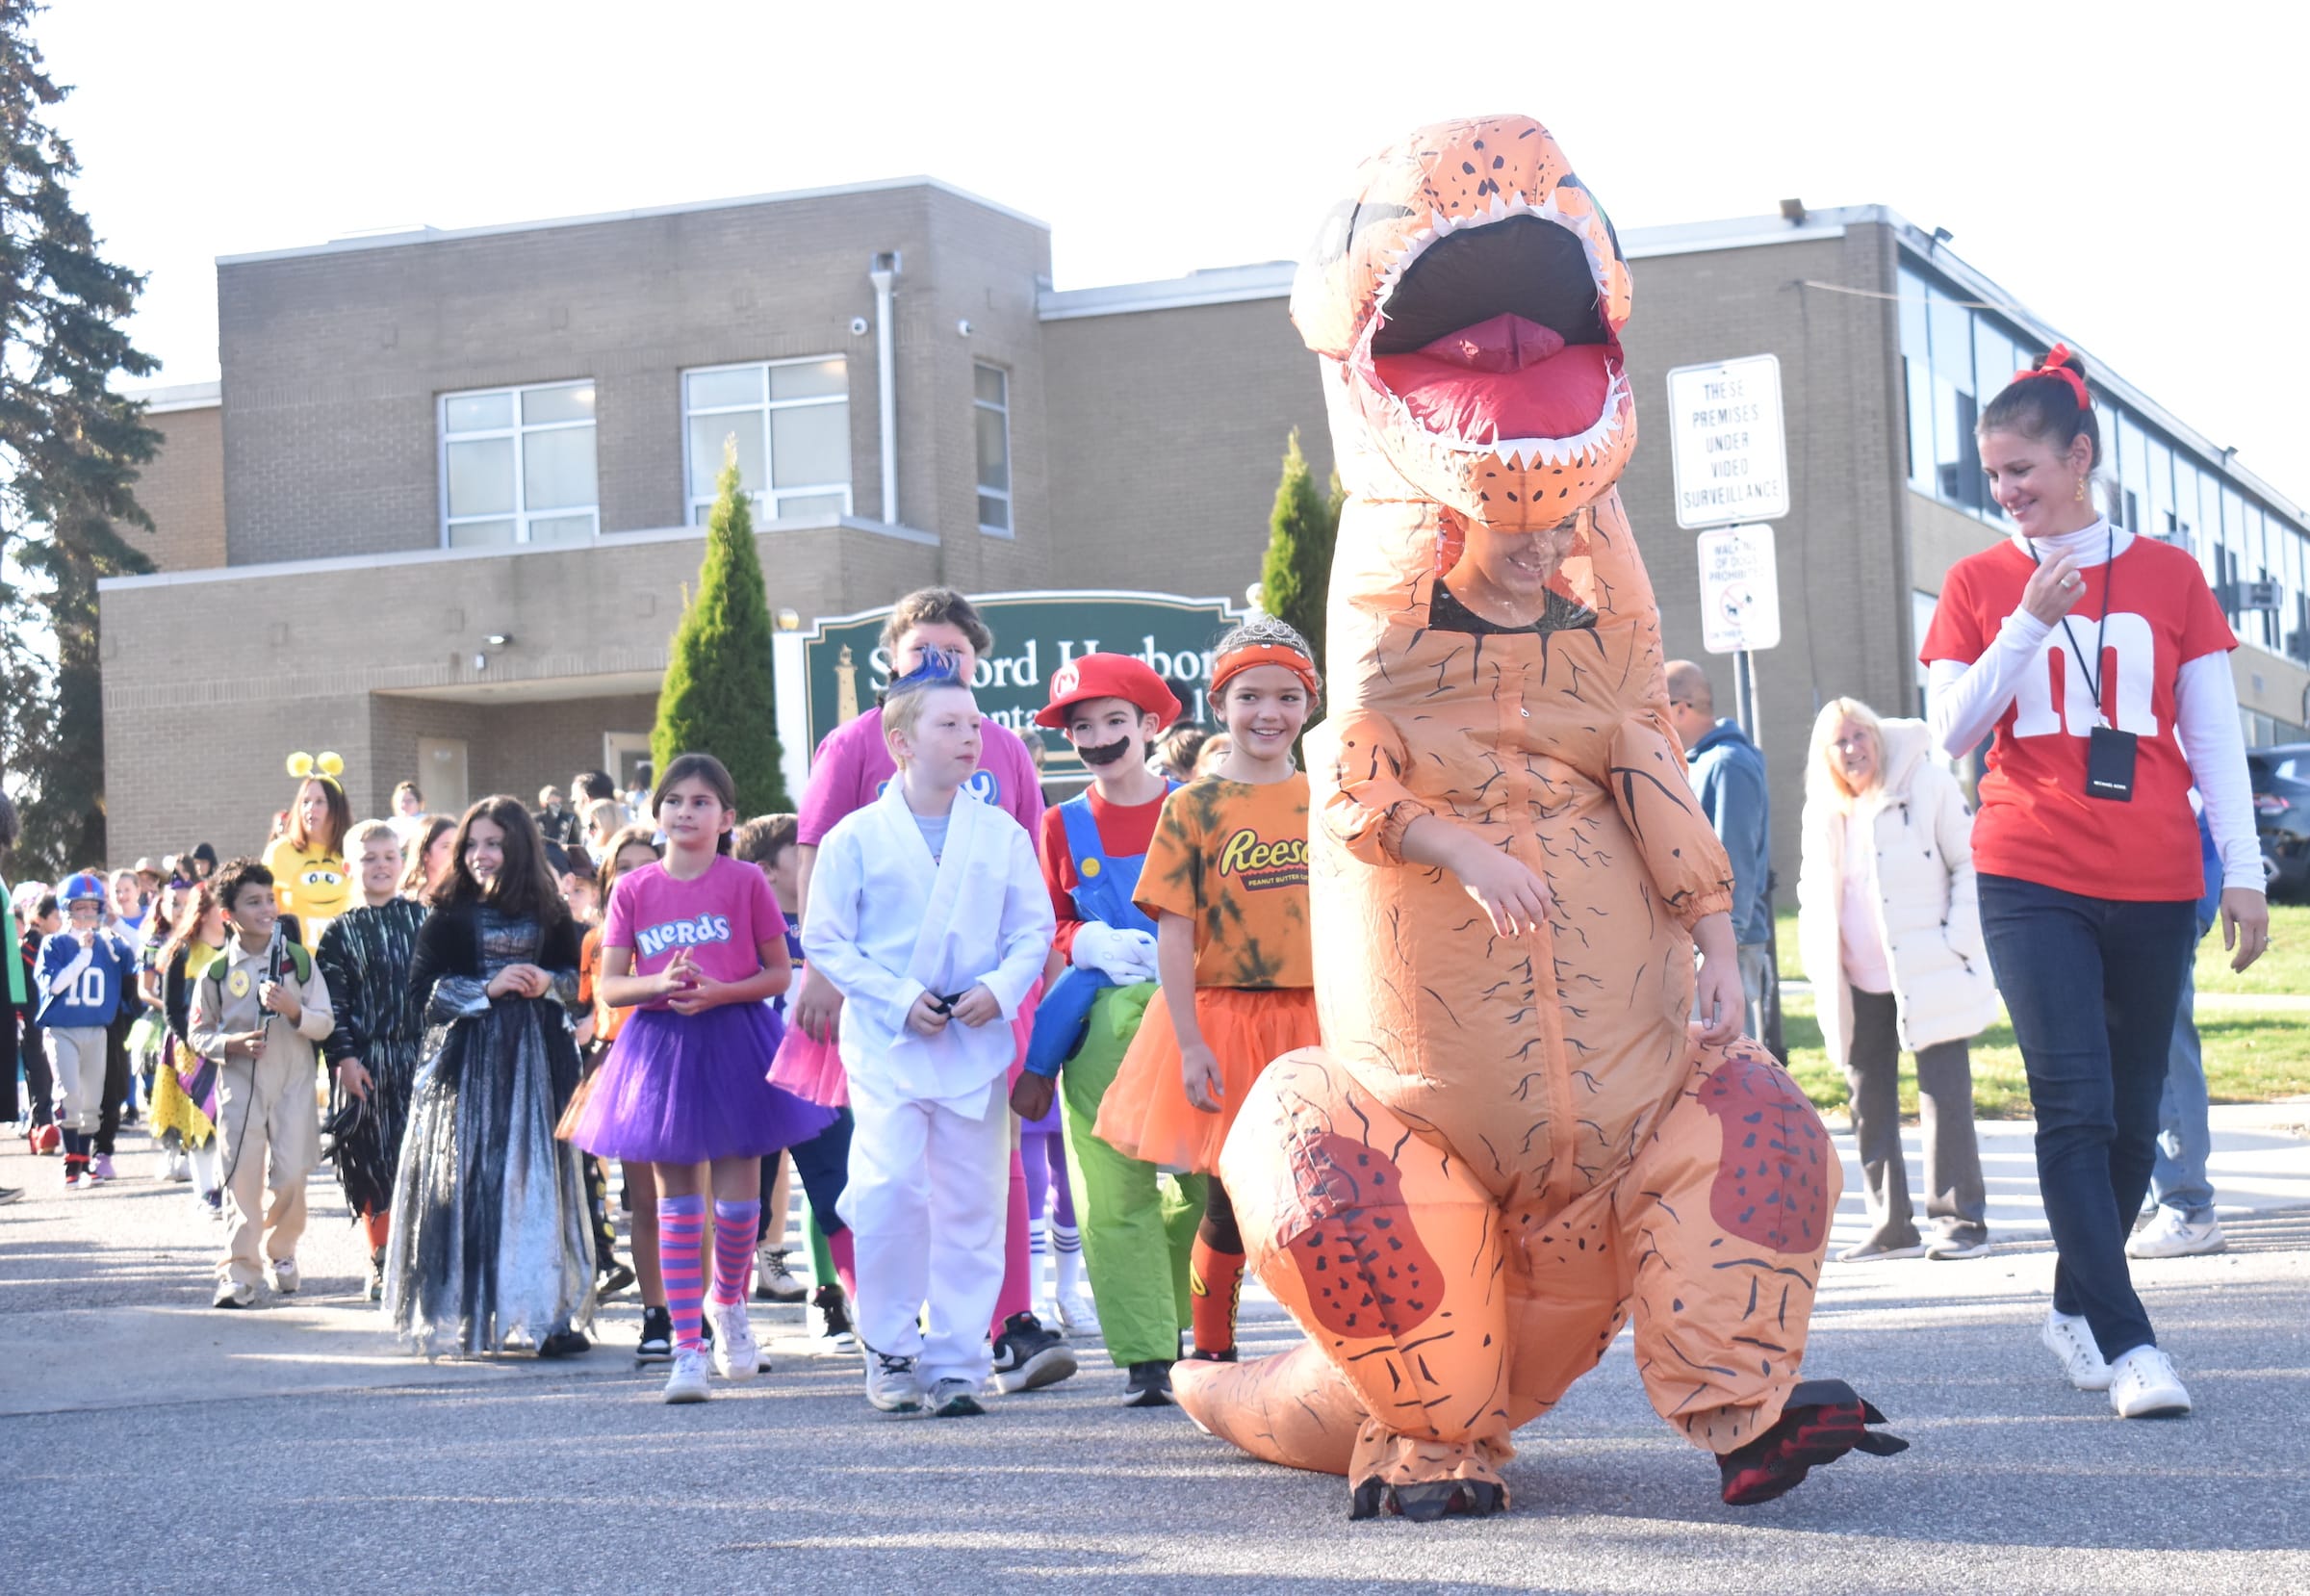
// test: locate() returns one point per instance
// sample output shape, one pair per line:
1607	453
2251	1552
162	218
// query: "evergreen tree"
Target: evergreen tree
717	697
68	453
1295	579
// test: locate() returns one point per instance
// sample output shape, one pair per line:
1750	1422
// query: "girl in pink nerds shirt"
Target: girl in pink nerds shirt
696	946
848	773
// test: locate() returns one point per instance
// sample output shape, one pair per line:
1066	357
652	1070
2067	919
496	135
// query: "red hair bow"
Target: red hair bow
2056	365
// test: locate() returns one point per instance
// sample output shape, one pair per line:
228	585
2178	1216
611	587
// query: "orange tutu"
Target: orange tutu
1145	1113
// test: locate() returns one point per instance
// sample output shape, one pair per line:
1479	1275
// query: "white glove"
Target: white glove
1124	956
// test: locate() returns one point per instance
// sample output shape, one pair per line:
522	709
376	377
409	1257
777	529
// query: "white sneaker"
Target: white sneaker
233	1293
892	1384
2142	1385
736	1355
773	1280
280	1273
2171	1235
2069	1338
1076	1313
687	1382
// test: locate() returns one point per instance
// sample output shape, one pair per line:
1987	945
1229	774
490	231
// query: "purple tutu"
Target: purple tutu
683	1089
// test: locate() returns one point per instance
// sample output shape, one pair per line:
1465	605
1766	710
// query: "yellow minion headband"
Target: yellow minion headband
325	767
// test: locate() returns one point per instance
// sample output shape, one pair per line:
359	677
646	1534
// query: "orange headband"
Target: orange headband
1228	666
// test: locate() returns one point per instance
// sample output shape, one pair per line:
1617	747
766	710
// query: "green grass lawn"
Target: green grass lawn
2252	1055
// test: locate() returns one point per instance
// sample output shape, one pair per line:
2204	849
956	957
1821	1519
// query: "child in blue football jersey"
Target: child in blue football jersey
83	972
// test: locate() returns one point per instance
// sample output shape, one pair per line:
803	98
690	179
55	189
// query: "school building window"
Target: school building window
790	422
990	400
517	466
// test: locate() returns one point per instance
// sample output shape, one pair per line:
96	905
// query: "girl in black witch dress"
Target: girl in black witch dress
490	1243
365	955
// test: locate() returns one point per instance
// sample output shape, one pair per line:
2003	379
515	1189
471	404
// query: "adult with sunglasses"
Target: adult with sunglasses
2100	660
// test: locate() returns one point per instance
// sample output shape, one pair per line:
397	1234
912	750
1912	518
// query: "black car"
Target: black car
2282	813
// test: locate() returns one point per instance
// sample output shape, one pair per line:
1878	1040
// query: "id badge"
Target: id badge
2110	764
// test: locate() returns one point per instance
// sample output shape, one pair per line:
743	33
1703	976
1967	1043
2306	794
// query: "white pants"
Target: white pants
76	1066
927	1201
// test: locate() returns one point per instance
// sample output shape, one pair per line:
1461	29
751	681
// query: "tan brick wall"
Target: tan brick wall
1169	438
197	722
182	488
333	362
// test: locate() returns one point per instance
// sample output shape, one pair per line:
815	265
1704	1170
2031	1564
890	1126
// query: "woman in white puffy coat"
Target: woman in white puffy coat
1890	932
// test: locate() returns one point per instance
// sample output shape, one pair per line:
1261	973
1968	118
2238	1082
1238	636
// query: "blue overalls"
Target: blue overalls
1104	888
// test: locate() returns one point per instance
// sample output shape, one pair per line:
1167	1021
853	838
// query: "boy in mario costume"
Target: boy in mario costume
1137	1225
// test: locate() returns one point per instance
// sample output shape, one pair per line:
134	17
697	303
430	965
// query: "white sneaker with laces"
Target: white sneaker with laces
688	1381
2142	1385
233	1293
2170	1234
773	1280
736	1356
2069	1338
892	1384
280	1273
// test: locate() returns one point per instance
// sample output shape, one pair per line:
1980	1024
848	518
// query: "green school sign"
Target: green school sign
831	672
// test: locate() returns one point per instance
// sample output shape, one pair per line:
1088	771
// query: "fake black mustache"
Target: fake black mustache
1106	752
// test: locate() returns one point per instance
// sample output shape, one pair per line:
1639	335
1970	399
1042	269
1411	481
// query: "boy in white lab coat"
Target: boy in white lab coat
932	919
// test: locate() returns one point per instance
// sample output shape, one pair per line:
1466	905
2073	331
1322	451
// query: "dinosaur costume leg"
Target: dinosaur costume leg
1136	1227
1403	1384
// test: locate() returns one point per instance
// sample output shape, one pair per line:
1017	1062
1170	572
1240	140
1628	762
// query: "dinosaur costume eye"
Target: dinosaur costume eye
1343	221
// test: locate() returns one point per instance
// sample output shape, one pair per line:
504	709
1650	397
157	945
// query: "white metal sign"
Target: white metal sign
1740	589
1729	445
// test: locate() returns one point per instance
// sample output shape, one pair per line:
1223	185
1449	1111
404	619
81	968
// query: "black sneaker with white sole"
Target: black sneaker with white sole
1149	1385
656	1345
1028	1358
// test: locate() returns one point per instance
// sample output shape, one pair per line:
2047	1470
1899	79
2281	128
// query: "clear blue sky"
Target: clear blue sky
2129	172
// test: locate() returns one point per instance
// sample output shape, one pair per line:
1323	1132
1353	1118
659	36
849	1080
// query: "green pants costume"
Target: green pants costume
1137	1224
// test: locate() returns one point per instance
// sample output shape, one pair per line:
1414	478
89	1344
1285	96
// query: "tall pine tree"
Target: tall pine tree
70	448
717	697
1295	579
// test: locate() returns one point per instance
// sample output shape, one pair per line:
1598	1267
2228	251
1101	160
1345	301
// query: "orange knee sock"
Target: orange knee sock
1215	1282
378	1226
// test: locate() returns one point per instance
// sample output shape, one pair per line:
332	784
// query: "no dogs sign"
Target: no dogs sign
1740	589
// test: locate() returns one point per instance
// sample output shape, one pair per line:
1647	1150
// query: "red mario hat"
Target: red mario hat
1107	676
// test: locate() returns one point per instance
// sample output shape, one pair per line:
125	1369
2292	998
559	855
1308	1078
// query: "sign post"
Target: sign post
1732	477
1731	448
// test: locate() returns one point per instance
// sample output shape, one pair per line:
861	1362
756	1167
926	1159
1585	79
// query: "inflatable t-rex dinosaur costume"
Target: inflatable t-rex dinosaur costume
1506	1145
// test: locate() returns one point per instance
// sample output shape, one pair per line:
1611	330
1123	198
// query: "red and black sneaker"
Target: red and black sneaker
1824	1420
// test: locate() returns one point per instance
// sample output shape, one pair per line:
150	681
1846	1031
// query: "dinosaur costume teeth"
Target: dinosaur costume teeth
1505	1149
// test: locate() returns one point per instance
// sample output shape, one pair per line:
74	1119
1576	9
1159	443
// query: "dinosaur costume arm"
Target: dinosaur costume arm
1371	806
1688	866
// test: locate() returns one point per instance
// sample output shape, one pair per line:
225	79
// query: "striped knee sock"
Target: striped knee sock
681	1258
735	1225
1067	1255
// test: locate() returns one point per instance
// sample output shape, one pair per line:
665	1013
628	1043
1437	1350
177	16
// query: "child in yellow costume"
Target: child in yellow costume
1509	1142
307	861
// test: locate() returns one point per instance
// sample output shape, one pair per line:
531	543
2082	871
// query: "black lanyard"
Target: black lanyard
2101	630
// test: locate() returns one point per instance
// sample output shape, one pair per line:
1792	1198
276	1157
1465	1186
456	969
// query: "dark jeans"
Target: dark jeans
117	1088
822	1165
1955	1201
2092	984
40	1082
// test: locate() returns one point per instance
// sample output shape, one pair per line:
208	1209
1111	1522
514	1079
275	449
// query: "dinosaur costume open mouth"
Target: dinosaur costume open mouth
1536	377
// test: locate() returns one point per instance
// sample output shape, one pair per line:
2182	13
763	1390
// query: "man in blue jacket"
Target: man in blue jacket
84	970
1727	774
